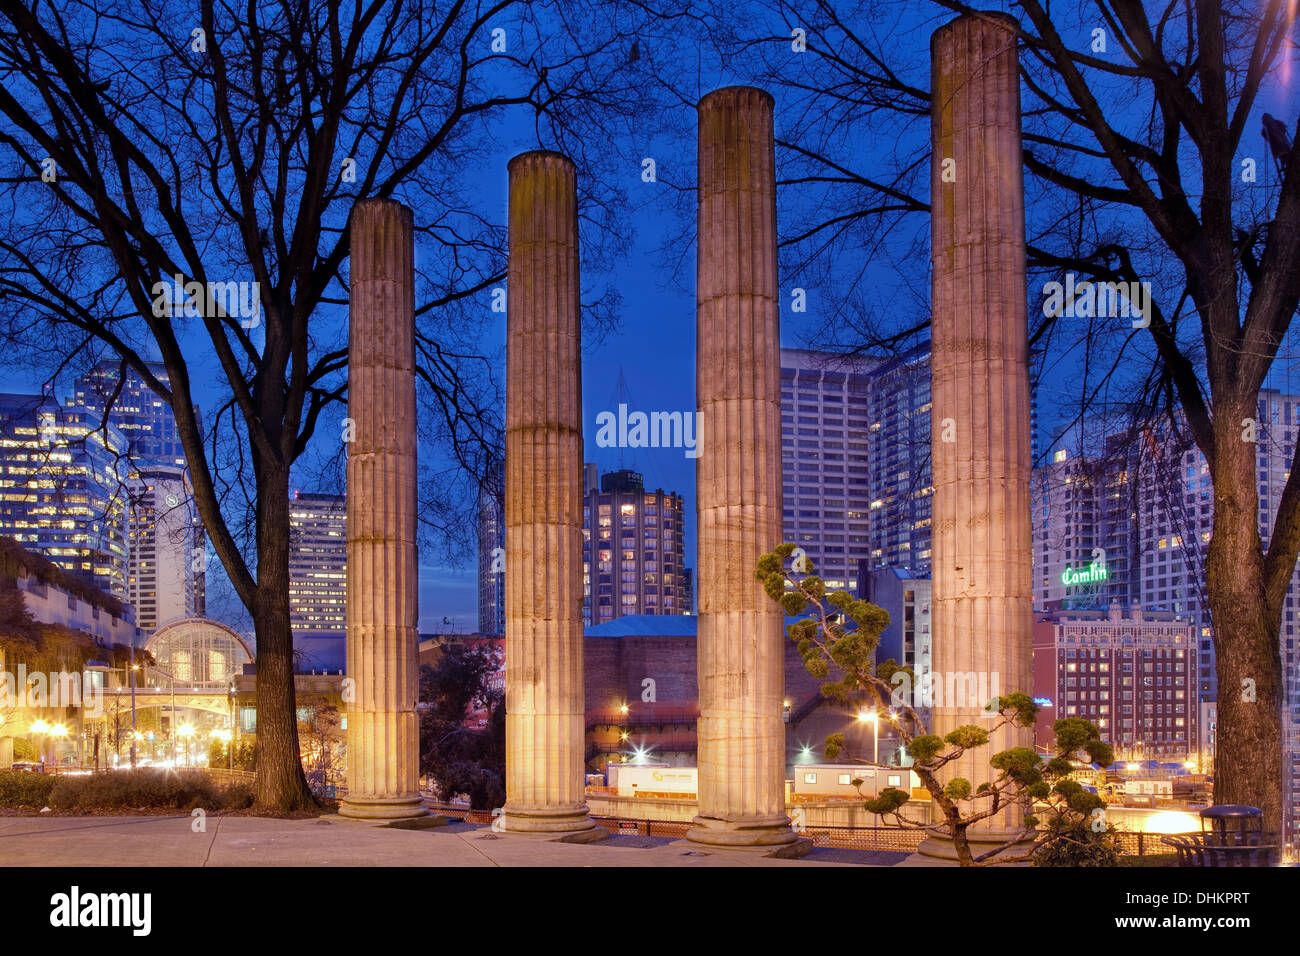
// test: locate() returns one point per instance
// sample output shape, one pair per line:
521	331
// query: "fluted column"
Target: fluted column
544	693
738	478
982	598
383	572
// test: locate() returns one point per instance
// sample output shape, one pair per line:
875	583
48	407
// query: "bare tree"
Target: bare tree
154	145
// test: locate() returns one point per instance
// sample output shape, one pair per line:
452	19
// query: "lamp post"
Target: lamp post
185	732
40	728
131	500
58	732
872	716
134	667
223	735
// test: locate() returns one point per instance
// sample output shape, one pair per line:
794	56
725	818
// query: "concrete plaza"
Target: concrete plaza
338	841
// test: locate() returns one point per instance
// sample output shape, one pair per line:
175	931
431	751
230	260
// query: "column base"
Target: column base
940	850
361	806
801	846
744	833
594	834
564	824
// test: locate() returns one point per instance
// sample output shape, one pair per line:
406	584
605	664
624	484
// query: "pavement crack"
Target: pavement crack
211	843
468	839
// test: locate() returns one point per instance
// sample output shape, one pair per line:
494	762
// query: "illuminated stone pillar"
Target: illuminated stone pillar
545	731
980	439
383	573
738	386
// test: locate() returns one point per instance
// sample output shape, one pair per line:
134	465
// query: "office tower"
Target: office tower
152	447
140	414
318	572
856	461
1133	675
632	551
165	543
61	488
898	450
825	424
1081	532
491	524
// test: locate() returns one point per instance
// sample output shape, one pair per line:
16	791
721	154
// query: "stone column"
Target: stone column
545	730
980	438
738	477
383	573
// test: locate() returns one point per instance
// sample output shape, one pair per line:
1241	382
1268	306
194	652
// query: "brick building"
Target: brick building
1133	676
640	680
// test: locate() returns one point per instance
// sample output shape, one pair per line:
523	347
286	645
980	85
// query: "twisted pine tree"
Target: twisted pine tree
1063	822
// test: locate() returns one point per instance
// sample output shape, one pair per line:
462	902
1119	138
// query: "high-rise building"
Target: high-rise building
1133	675
165	551
172	580
632	551
318	577
1081	533
491	551
898	446
61	488
140	414
856	461
825	466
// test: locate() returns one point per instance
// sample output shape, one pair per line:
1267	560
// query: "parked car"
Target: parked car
28	767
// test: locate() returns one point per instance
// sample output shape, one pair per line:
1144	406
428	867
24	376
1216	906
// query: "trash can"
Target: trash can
1233	835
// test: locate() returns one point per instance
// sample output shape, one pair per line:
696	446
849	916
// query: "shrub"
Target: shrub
1080	846
19	789
237	796
142	788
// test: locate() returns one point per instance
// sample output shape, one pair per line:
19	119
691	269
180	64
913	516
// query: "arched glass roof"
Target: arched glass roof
198	651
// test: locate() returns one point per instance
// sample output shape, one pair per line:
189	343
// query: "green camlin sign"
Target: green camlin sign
1093	574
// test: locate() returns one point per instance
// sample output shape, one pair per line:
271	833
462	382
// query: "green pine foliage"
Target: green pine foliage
837	639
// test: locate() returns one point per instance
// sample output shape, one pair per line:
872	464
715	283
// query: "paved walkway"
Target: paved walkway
336	841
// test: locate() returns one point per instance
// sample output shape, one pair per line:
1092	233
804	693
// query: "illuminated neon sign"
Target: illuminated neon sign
1094	573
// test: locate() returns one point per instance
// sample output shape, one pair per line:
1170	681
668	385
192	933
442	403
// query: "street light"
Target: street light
871	715
134	667
41	729
222	735
58	731
185	732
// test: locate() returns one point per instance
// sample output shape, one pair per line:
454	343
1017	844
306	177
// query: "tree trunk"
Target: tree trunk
1248	746
280	786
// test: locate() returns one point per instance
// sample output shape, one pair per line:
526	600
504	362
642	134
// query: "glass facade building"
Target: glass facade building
62	492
